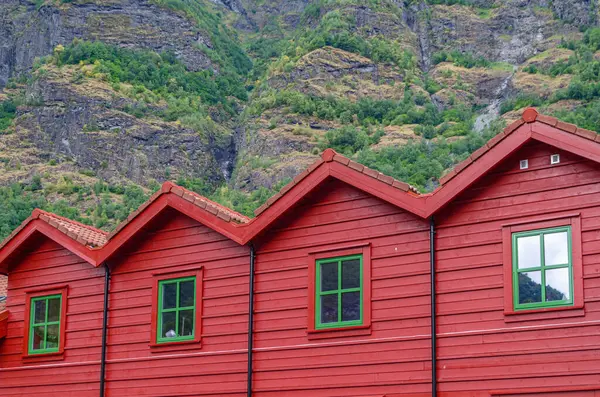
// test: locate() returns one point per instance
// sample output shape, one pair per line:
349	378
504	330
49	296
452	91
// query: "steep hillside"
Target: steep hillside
102	100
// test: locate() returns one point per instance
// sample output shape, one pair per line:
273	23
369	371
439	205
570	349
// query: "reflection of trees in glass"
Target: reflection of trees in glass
552	294
531	291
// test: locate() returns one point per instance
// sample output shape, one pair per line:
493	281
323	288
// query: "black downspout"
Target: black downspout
433	311
251	321
104	329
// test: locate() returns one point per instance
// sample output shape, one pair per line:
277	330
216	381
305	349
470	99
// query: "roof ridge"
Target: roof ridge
35	214
197	199
530	115
236	215
330	155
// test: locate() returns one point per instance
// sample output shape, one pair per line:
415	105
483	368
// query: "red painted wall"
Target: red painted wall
215	367
481	350
78	374
392	360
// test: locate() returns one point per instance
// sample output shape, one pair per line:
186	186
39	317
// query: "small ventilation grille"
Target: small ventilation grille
524	164
555	159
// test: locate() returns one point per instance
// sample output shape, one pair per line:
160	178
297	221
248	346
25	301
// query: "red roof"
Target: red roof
530	115
96	246
84	234
330	155
199	201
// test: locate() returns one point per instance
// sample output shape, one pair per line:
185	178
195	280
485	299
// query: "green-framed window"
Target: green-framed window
44	324
176	310
339	289
542	268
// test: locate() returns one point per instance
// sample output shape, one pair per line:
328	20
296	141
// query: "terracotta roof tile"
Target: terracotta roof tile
479	152
370	172
199	201
328	156
513	126
356	166
587	134
547	120
84	234
386	179
566	126
341	159
445	178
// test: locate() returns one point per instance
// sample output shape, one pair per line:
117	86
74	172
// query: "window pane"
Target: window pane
39	333
556	249
350	306
168	325
169	295
558	284
186	323
52	337
528	252
530	287
329	309
186	294
53	309
39	312
351	274
329	276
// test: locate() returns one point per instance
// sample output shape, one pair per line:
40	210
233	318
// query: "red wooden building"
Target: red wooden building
329	290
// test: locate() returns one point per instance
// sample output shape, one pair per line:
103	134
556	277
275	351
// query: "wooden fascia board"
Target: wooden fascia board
476	170
53	234
284	203
377	188
566	141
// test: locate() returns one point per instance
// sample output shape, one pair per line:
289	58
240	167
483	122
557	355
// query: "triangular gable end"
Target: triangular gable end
76	237
220	219
532	126
334	165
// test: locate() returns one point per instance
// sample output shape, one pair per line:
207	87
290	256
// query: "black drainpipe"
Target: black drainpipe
251	321
104	329
433	312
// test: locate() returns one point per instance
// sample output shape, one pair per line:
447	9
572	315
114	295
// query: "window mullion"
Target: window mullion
46	322
177	311
339	291
543	265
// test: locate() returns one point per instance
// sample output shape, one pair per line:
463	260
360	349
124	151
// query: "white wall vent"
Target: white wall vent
524	164
555	159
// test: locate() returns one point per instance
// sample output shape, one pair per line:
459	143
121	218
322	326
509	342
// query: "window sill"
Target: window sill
38	358
549	313
174	346
358	330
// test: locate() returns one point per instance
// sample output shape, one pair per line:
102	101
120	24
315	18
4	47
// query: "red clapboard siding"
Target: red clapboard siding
78	373
216	365
479	348
395	355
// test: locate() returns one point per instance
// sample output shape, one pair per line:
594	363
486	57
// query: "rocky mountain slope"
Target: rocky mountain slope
101	100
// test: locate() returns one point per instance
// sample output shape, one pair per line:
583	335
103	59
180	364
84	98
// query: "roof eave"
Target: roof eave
35	225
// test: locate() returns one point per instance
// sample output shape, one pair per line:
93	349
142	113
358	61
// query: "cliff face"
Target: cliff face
31	30
366	77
